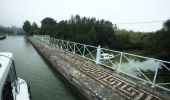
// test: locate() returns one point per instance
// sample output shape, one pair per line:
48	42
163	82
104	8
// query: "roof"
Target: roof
5	63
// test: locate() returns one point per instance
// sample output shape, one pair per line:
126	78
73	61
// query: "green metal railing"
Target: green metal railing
155	72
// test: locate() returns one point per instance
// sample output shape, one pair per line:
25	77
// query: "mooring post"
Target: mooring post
98	55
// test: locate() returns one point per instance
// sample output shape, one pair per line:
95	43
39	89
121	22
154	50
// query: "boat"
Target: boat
11	87
106	56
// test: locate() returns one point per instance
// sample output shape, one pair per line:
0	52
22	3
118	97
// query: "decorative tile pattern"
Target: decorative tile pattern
118	85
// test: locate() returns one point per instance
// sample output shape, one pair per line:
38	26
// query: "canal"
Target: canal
45	83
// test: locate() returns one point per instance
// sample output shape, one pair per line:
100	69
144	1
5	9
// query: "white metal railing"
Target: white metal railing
149	70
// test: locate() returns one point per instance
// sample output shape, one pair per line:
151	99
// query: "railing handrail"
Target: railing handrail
82	49
137	55
118	51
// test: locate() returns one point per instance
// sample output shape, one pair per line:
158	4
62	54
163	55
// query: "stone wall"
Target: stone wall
93	81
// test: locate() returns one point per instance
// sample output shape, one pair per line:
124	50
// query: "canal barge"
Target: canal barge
11	87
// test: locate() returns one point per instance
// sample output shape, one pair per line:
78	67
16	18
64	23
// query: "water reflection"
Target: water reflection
45	83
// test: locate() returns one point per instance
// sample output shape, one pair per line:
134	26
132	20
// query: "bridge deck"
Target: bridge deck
102	82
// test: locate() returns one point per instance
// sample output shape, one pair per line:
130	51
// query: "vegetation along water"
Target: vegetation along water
105	33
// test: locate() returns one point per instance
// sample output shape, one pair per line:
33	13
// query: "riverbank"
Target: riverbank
2	37
93	81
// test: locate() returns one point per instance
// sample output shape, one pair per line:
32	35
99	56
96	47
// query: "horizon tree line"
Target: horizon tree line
103	32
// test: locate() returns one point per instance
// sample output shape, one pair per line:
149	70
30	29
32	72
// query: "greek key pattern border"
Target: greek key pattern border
121	87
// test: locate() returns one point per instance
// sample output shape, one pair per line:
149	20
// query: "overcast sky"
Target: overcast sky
15	12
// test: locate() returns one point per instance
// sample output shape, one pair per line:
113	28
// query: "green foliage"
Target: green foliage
130	40
166	26
4	30
86	30
101	32
48	26
30	29
123	42
159	43
27	27
34	28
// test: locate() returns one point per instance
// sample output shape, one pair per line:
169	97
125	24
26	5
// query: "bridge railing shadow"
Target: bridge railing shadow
148	71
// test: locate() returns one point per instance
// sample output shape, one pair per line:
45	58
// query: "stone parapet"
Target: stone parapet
93	81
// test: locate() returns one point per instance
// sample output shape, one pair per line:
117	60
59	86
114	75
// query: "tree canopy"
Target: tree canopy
102	32
30	29
27	27
86	30
160	42
48	26
4	30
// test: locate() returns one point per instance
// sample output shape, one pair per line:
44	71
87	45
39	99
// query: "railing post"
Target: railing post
61	44
98	55
84	48
52	42
118	69
42	38
67	46
48	40
45	39
154	79
74	48
57	43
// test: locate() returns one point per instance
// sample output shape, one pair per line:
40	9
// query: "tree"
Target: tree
34	28
27	27
166	25
159	42
34	25
4	30
81	29
48	26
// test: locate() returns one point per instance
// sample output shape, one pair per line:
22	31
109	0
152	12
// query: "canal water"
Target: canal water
45	83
